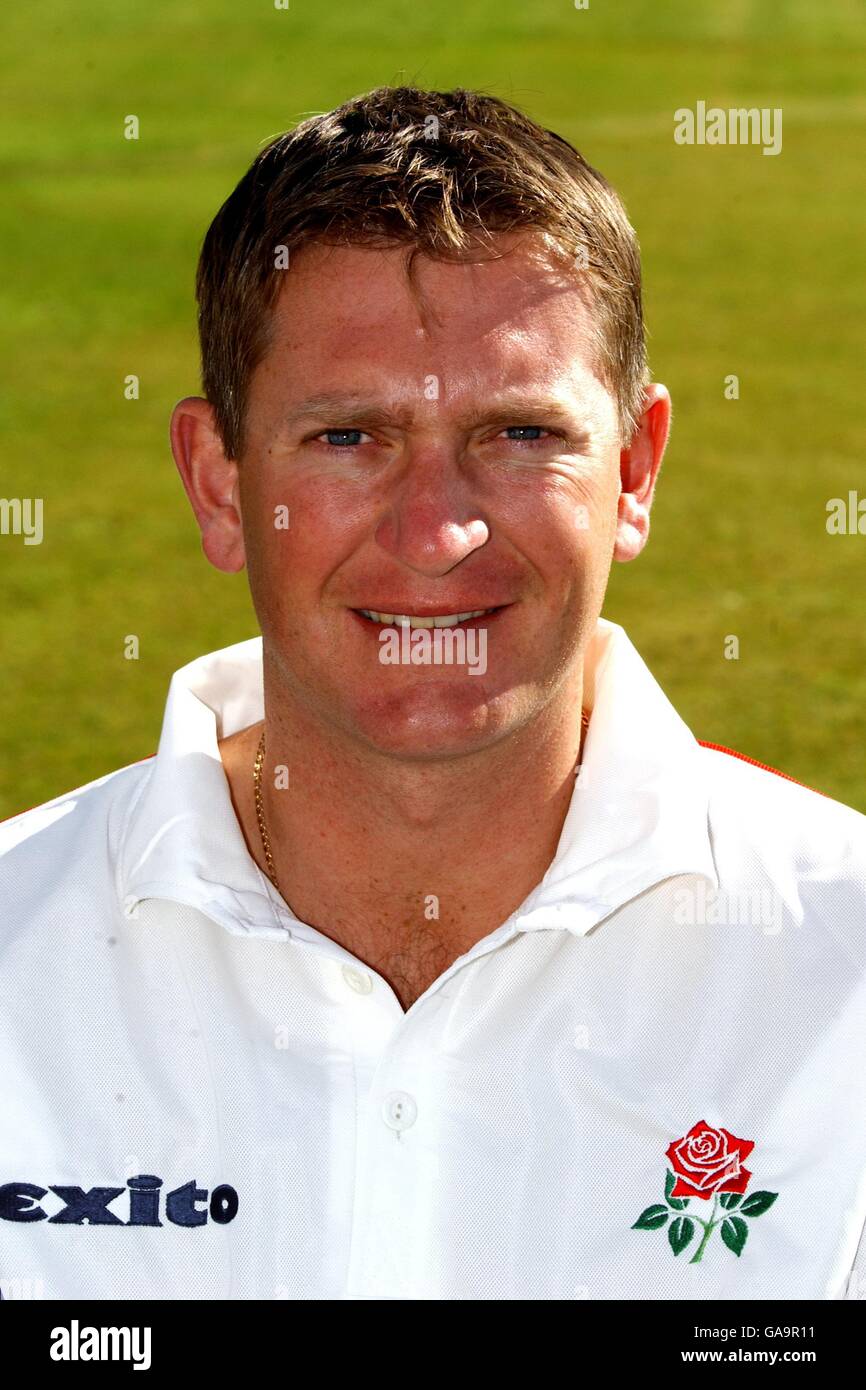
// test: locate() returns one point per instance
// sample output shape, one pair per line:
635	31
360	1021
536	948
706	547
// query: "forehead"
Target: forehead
347	315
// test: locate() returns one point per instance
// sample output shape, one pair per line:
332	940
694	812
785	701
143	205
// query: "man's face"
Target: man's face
467	457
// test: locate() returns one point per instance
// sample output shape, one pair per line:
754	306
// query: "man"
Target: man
411	968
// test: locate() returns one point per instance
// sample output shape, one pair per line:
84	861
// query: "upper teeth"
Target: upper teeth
410	620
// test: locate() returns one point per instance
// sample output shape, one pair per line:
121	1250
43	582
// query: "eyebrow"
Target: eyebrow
510	408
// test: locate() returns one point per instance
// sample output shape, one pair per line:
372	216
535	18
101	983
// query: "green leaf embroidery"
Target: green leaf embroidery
651	1219
680	1233
730	1199
678	1203
734	1233
758	1203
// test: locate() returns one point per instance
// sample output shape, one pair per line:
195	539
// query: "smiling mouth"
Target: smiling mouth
414	620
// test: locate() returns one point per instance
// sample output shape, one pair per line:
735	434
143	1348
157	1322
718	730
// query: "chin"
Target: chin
442	719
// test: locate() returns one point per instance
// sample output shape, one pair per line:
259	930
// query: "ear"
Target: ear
639	464
211	482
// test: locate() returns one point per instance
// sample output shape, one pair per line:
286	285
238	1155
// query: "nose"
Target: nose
431	521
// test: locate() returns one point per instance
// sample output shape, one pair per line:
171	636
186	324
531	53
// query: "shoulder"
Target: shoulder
797	837
747	781
65	848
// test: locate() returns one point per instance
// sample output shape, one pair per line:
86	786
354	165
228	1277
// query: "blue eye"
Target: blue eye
340	439
525	433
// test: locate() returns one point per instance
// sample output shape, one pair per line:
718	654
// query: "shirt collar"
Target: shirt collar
183	841
638	813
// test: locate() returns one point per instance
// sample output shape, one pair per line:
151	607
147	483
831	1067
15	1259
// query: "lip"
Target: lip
484	620
430	610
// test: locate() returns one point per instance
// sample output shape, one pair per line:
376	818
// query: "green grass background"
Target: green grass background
753	265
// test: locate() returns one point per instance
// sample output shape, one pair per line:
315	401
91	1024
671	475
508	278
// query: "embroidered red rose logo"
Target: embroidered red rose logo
707	1163
709	1160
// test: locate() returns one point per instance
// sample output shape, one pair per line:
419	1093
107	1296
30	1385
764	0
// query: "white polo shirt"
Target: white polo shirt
648	1083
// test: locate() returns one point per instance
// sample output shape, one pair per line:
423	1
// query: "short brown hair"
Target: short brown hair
438	171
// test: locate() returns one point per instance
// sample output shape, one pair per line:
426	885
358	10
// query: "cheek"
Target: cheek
568	530
594	517
300	536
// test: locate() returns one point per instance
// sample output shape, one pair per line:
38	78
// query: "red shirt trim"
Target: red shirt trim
720	748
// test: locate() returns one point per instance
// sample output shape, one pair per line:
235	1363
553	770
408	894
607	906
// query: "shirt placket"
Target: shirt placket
397	1157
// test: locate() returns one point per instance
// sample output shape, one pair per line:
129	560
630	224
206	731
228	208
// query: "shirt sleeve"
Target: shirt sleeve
856	1286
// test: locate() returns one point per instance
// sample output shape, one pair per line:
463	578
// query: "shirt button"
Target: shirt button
399	1110
357	980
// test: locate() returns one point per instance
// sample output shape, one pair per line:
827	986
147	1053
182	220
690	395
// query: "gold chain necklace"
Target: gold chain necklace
260	810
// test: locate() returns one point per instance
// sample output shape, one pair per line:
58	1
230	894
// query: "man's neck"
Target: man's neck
407	863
